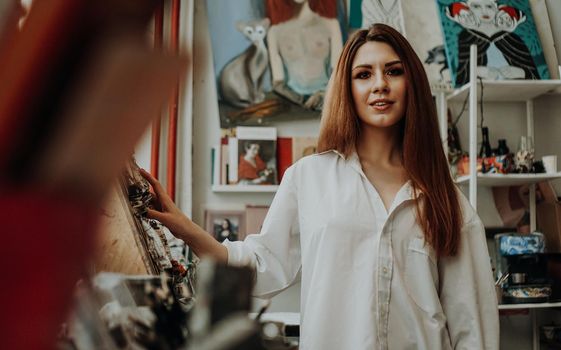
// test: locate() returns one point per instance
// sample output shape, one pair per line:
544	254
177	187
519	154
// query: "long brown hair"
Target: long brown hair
439	212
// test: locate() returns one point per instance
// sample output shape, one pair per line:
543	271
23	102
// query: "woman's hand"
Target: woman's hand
167	212
181	226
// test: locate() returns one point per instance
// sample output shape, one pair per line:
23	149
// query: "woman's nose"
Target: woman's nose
379	84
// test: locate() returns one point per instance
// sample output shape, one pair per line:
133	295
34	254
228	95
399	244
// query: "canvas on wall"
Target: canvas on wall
554	12
507	42
364	13
272	59
543	25
416	21
425	36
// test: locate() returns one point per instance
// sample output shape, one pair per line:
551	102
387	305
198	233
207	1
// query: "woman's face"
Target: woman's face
378	85
225	224
253	150
485	10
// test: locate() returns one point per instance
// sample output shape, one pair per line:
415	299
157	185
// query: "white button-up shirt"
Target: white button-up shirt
369	281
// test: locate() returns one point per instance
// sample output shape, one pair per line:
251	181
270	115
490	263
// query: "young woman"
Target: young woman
389	253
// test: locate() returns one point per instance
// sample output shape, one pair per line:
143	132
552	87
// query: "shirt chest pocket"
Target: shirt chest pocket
421	276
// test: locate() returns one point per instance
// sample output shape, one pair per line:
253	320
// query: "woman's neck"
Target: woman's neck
305	11
379	146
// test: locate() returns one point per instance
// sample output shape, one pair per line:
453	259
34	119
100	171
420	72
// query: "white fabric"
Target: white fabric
369	281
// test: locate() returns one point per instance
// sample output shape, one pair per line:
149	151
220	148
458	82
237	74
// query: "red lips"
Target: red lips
381	104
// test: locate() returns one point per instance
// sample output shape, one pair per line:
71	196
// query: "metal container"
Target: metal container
518	278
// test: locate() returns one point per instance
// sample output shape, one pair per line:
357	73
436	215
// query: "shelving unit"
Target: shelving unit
501	91
533	314
507	90
529	306
508	179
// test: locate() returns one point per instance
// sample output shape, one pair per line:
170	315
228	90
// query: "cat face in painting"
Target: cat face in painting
484	10
254	30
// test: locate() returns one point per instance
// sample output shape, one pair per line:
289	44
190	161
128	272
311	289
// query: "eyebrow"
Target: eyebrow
391	63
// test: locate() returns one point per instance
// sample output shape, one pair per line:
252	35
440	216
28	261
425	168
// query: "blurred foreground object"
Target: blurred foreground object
144	312
78	87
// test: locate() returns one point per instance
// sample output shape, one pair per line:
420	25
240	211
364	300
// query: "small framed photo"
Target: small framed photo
225	224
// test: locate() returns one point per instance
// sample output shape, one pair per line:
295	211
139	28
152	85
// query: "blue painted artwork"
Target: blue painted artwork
508	45
273	59
522	244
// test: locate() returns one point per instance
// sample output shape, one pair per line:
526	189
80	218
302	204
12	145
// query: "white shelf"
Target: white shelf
508	179
529	306
507	90
245	188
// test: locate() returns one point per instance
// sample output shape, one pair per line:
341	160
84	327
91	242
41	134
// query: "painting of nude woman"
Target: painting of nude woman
273	58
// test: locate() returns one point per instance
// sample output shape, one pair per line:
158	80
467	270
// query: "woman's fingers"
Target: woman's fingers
156	185
156	215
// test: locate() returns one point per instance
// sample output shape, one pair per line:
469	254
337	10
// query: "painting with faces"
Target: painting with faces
425	36
508	45
415	20
273	58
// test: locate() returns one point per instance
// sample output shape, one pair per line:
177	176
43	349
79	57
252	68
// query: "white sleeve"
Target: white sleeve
275	251
467	292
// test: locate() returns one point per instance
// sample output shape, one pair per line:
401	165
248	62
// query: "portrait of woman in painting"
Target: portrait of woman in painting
304	44
225	230
252	169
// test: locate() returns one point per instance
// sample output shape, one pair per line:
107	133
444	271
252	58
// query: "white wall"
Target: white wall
547	120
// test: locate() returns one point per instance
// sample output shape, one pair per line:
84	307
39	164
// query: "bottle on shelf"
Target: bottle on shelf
502	150
485	150
504	159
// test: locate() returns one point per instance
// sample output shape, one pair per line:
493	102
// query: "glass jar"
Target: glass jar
525	155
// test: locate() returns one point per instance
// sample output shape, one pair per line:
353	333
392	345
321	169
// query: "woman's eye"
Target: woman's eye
395	71
363	75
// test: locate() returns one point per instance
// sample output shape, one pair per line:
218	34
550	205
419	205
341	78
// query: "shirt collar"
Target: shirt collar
405	193
334	151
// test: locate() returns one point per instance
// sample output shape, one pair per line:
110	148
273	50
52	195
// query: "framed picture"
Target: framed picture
508	44
255	216
225	224
263	74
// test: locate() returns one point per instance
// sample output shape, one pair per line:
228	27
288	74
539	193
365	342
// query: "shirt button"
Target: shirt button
385	270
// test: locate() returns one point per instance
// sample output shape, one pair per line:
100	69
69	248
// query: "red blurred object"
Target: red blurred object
47	243
174	101
50	217
156	124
